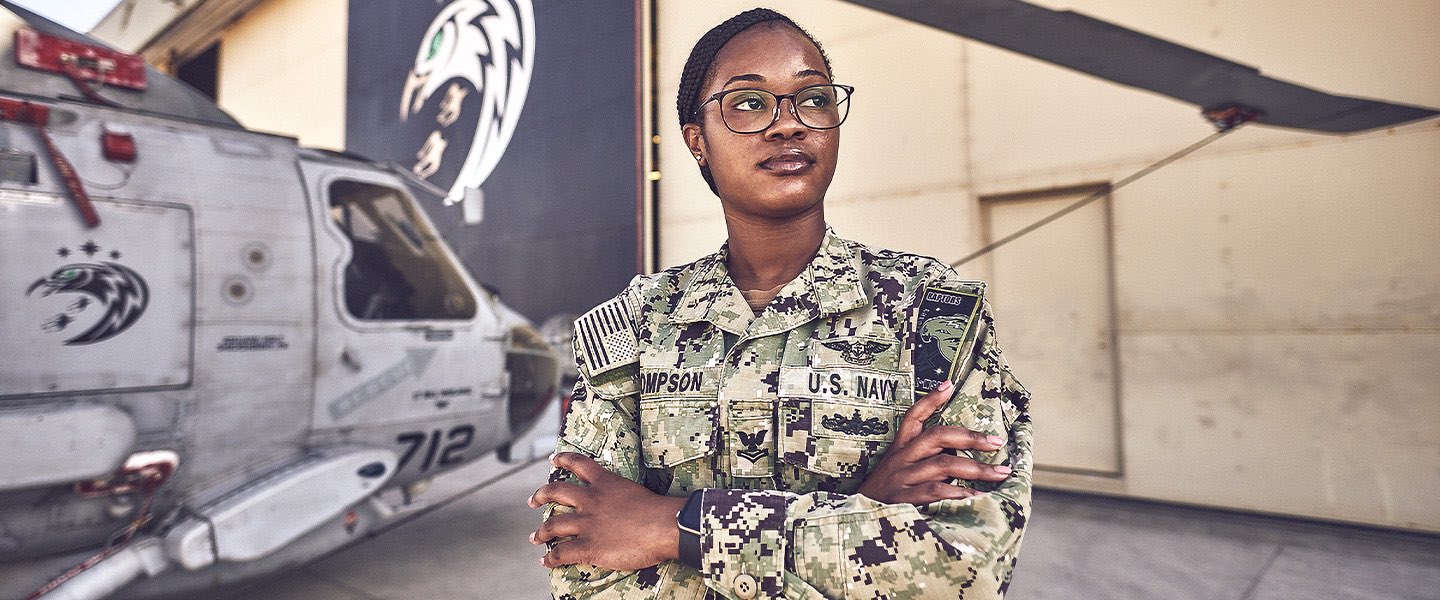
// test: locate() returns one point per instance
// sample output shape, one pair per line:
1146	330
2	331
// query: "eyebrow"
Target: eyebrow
761	79
745	77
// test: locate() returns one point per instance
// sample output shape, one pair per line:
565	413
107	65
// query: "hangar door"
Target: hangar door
1053	293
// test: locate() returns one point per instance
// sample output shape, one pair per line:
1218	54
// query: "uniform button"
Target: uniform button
745	586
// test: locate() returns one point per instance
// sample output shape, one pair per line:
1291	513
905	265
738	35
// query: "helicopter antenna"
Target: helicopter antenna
1225	119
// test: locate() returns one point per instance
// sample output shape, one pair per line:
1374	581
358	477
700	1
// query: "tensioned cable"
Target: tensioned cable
1078	204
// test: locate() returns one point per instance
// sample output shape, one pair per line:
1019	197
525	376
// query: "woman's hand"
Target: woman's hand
616	524
916	468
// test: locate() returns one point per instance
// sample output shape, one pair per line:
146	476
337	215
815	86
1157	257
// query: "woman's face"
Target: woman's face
780	172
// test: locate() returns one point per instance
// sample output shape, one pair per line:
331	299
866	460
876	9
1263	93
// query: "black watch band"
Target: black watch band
688	521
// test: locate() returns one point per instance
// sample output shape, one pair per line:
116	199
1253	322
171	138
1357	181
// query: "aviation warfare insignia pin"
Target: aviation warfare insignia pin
114	292
606	337
856	352
944	334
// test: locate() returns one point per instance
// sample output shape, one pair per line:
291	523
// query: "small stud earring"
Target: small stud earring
697	158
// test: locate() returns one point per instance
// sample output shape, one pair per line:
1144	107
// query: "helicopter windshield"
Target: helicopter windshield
397	269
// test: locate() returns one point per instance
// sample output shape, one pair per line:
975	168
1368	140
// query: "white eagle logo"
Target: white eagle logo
491	44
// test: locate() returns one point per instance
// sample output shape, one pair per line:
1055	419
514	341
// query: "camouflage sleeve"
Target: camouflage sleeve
603	429
775	544
601	424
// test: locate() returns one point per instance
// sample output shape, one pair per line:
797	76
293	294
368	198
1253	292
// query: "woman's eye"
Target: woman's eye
818	100
748	102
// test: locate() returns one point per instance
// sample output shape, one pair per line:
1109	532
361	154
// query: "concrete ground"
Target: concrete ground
1077	547
474	546
1089	547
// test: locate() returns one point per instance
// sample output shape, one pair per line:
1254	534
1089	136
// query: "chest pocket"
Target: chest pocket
679	409
837	421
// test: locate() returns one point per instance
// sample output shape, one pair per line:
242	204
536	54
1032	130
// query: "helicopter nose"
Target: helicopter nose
534	374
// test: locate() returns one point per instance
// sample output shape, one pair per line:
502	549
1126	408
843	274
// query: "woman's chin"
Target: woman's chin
780	208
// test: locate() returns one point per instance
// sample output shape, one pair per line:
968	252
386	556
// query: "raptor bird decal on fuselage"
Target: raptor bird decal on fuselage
120	291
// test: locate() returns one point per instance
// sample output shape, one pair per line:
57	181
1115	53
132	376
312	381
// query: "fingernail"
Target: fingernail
995	440
532	538
552	458
945	385
1002	469
542	561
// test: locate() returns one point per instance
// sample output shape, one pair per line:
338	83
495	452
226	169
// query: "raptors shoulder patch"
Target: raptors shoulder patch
945	335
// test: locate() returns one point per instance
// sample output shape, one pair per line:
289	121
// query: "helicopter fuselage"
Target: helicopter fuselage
256	337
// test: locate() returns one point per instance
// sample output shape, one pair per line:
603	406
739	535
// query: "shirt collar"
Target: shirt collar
830	284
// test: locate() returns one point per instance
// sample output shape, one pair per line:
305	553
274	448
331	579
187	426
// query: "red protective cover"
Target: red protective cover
101	66
117	146
25	112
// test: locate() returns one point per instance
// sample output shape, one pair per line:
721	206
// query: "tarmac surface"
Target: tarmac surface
1077	546
474	546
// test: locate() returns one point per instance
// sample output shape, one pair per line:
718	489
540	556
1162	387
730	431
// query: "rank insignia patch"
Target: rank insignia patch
606	337
944	334
753	452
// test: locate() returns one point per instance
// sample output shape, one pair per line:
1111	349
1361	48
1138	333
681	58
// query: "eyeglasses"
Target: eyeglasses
746	110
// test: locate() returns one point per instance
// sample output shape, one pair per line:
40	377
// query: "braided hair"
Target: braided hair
698	69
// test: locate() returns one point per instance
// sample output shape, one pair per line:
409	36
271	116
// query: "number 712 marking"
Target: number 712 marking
458	439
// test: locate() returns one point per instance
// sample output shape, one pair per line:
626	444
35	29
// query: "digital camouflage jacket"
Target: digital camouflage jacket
683	387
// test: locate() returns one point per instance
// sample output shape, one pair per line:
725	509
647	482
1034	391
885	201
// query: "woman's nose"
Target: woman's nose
788	124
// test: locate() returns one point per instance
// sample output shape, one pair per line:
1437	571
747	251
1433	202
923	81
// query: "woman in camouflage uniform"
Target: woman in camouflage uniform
757	423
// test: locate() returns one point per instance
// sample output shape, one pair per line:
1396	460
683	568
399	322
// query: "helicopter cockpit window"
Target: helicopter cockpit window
397	269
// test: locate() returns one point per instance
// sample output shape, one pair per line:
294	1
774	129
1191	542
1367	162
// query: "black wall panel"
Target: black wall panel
559	227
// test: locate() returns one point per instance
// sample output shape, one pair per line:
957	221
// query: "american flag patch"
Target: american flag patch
606	337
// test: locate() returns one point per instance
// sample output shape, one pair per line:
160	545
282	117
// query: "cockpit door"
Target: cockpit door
405	336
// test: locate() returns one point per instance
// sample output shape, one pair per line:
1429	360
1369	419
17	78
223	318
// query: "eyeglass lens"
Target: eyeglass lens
817	107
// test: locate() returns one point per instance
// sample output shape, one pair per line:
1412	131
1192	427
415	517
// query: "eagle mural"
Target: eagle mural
484	48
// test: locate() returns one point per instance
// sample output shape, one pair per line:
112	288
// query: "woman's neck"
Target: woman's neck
765	253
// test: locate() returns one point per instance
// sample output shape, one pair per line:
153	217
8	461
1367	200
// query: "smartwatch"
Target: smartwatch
688	521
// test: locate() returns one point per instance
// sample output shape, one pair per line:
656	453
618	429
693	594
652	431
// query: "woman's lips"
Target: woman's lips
788	162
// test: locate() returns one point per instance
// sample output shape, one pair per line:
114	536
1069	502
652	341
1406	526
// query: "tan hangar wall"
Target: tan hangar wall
1254	327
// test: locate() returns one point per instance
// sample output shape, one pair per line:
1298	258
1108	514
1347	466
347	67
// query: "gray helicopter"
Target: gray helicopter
221	354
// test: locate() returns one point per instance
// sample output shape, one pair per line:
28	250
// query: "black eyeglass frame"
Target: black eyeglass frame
779	98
